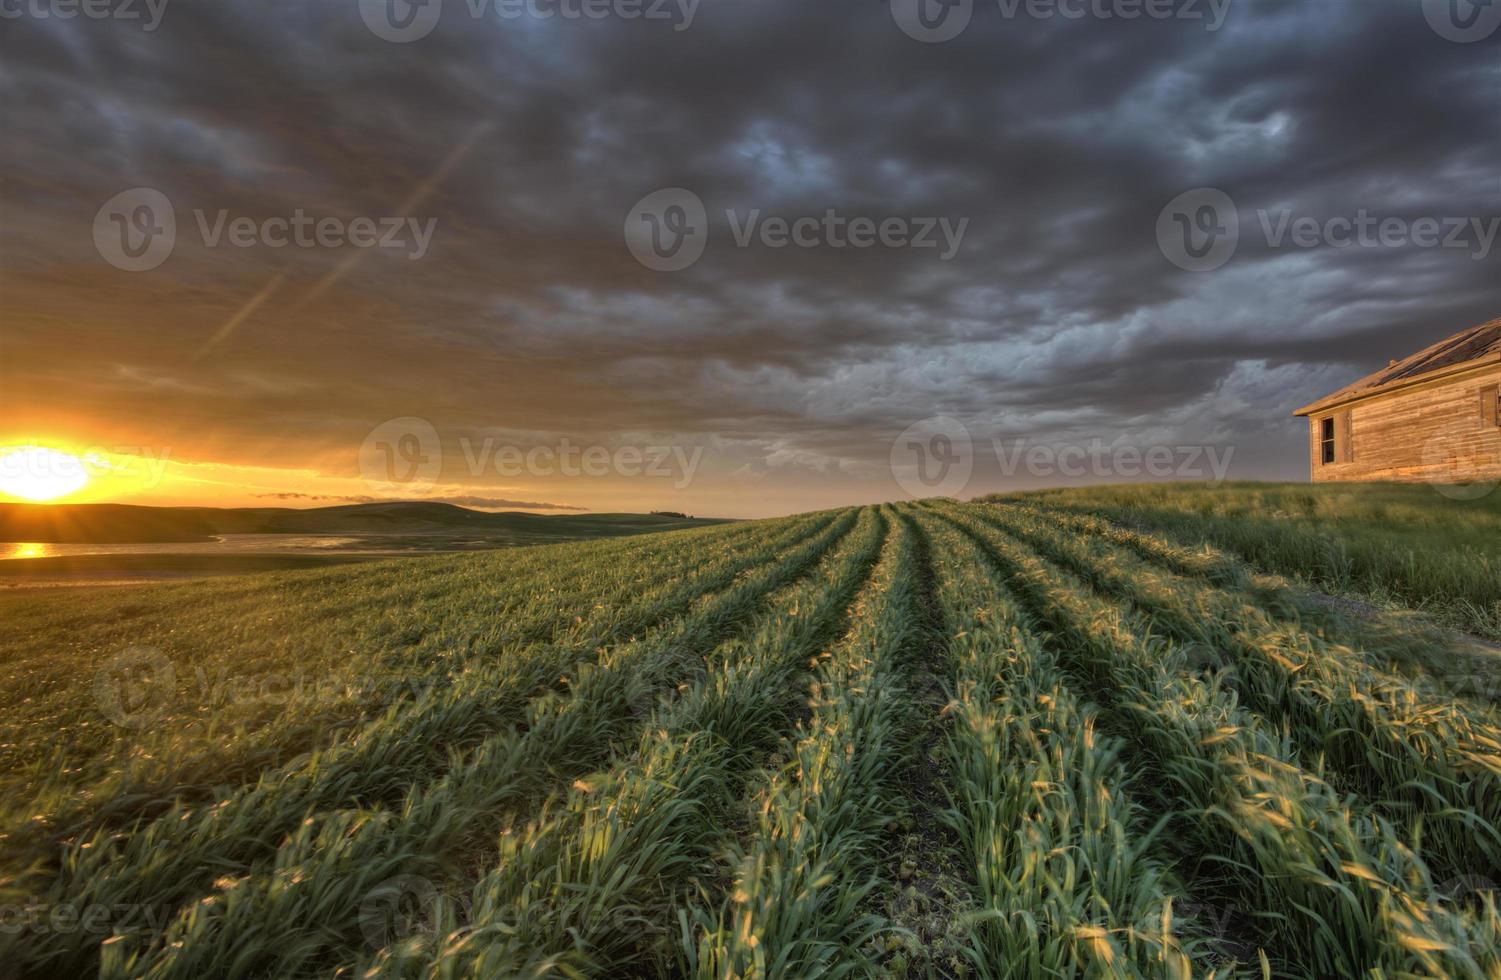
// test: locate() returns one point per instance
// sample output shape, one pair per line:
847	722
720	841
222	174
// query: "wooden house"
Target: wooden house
1433	417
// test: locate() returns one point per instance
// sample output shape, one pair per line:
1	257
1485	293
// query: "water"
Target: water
227	544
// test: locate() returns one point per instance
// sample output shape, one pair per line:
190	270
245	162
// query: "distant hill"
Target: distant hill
128	524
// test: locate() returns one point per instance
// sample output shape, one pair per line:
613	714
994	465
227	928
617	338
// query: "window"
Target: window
1490	405
1326	440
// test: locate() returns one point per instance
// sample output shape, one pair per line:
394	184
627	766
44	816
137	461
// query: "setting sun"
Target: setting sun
38	473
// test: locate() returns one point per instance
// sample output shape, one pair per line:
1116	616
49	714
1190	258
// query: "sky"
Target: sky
726	257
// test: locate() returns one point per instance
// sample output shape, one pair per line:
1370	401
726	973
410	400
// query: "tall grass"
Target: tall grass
802	869
1411	544
412	761
1066	881
576	889
1337	888
1438	762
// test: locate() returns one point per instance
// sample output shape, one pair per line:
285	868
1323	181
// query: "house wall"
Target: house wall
1430	433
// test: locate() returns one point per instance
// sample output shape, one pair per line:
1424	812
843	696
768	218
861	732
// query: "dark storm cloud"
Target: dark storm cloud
1058	142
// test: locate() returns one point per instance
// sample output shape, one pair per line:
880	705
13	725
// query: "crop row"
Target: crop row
1390	640
1065	881
583	888
1415	758
804	867
203	852
333	658
305	906
1384	541
692	769
1332	888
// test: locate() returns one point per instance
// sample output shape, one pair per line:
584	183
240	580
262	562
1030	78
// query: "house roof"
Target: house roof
1468	347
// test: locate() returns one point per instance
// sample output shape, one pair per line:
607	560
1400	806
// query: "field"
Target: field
937	739
1393	543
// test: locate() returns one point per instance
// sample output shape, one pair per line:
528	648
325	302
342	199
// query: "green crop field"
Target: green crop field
1063	735
1407	545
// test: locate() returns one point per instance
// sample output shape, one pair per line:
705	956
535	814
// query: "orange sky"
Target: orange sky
571	478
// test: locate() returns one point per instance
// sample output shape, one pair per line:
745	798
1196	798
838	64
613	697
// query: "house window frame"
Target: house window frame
1328	441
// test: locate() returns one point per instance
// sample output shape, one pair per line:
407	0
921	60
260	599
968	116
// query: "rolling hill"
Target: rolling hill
122	523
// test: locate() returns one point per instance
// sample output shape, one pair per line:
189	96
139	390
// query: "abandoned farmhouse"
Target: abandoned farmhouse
1434	416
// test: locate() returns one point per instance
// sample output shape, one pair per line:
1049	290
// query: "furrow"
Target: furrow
307	904
402	642
1335	889
1066	881
583	889
802	869
1413	759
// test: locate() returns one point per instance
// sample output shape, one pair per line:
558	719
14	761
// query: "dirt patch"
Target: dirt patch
931	895
935	894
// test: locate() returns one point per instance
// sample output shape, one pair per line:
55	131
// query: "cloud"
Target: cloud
1059	141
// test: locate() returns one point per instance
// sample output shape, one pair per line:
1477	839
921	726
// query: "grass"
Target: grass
1392	543
1331	888
788	908
1021	739
1064	873
328	649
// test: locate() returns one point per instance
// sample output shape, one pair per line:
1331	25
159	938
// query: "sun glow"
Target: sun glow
38	473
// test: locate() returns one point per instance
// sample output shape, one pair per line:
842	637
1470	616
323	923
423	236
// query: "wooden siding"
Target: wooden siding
1443	432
